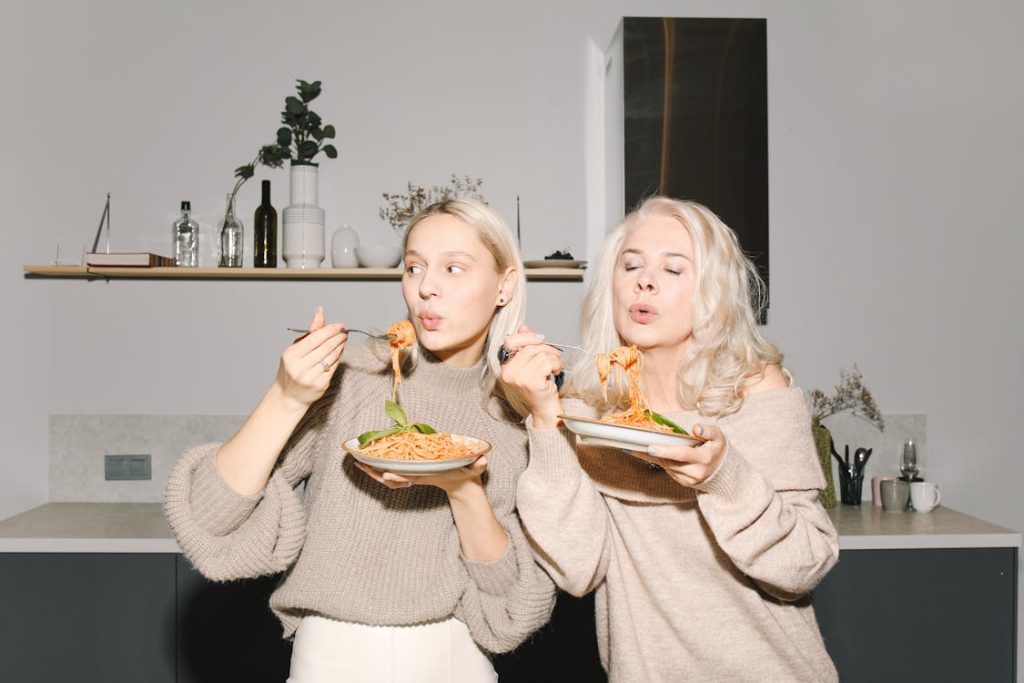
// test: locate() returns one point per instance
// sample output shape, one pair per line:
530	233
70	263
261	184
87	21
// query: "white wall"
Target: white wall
895	147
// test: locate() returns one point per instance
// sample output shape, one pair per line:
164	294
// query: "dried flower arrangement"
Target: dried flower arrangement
850	395
399	209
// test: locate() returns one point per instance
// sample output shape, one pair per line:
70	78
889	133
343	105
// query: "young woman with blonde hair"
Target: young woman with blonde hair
388	578
702	557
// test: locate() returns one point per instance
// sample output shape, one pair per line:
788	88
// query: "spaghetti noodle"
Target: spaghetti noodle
629	360
412	445
401	335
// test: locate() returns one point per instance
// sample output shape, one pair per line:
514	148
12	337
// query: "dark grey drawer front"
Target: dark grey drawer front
921	615
87	617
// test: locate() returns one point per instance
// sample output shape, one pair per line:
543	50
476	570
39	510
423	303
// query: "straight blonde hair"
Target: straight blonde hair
726	350
496	237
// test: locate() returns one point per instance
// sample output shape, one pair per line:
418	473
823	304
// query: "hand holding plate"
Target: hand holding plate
689	465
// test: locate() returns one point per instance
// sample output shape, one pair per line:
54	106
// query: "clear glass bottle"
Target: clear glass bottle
185	234
230	237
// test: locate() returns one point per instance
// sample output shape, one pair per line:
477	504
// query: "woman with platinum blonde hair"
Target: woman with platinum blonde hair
702	557
387	577
496	238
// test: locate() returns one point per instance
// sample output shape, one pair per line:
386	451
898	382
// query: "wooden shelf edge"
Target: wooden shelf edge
83	272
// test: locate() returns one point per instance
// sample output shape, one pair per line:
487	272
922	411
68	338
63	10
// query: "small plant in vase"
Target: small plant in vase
231	229
851	396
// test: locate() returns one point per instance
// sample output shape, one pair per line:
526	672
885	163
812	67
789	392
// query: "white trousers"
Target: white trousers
330	651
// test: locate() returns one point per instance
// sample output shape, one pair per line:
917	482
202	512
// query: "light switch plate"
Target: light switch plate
131	467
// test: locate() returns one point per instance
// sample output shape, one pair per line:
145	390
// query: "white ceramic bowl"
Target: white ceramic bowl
378	256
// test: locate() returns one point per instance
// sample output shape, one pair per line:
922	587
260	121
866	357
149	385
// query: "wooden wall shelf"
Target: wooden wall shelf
89	273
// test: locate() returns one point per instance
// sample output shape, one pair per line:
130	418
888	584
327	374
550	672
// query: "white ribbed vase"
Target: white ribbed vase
303	221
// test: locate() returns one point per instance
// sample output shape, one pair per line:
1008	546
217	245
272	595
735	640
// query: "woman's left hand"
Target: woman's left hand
448	481
690	465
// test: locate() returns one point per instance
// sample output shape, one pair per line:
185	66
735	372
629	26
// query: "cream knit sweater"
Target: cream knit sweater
355	550
692	585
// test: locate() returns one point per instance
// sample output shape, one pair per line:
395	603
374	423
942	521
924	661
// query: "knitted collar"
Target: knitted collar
443	379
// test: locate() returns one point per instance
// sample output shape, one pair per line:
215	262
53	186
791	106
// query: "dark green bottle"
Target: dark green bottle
264	253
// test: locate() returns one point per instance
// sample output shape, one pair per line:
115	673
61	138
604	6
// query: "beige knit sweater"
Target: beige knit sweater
692	585
353	549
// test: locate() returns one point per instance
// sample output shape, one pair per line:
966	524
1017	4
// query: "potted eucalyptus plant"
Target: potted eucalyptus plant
299	141
302	137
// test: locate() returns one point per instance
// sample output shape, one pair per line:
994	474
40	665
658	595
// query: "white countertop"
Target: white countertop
866	527
89	528
141	528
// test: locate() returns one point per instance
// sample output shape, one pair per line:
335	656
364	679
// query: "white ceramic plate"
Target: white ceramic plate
597	433
413	468
554	263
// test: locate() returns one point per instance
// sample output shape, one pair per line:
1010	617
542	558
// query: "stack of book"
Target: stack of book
127	259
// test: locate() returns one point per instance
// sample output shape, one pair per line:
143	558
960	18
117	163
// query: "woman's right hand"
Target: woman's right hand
529	372
309	363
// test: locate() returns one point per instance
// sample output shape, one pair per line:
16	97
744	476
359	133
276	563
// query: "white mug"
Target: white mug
925	496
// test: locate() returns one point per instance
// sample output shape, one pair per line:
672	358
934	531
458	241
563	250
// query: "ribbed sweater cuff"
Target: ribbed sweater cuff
734	479
553	453
217	507
497	577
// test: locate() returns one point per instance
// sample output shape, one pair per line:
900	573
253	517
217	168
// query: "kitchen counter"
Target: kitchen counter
117	567
867	527
142	528
89	528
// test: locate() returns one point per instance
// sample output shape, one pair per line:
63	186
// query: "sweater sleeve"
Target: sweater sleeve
762	502
506	600
563	513
226	535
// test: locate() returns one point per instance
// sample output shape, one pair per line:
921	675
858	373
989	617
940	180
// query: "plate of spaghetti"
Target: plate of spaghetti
636	427
412	453
406	447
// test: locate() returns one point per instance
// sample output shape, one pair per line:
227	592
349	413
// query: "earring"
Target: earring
501	301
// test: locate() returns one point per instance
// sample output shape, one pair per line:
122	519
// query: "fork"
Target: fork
388	337
569	346
559	379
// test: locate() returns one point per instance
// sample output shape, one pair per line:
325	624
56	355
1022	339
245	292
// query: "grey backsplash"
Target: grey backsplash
887	446
78	444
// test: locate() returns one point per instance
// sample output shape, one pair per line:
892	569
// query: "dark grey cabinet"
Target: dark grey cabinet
87	617
945	614
129	618
886	615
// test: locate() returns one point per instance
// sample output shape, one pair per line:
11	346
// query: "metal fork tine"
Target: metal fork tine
569	346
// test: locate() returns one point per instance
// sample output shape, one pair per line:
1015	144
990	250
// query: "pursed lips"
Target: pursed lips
642	312
430	320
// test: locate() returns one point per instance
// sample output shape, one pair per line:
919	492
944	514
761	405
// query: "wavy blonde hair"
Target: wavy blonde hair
496	237
726	349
